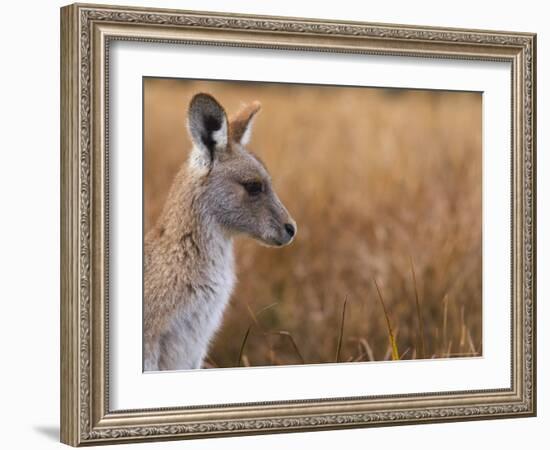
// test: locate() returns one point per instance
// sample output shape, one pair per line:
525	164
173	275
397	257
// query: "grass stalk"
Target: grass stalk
293	342
243	343
368	349
393	343
418	313
445	315
341	333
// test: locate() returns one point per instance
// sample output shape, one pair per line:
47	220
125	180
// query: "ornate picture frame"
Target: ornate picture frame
87	31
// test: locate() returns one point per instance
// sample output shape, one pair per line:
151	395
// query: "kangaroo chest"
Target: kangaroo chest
200	312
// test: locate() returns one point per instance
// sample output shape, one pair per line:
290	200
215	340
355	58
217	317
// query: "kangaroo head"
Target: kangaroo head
237	191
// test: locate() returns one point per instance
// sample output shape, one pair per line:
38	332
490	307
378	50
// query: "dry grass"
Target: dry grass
385	185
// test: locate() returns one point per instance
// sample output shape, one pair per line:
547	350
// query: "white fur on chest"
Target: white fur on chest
200	314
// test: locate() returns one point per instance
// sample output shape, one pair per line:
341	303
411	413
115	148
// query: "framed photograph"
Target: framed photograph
276	225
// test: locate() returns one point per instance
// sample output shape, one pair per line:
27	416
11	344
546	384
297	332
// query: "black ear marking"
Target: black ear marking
211	124
208	126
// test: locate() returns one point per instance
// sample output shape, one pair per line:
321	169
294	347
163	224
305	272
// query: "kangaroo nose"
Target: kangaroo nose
290	229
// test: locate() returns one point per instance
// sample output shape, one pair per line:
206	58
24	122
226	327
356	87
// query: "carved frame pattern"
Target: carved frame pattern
86	33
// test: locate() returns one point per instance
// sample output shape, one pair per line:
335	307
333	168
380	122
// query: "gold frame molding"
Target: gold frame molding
86	32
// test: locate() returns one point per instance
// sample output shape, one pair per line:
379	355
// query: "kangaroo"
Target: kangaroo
222	191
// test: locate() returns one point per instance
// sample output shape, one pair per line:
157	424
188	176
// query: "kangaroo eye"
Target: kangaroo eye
253	187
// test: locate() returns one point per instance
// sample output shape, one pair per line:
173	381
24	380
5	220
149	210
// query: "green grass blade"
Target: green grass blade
393	343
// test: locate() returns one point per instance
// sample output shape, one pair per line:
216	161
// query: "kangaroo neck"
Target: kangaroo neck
196	237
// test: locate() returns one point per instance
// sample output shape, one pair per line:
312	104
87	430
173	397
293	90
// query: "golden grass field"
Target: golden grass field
380	182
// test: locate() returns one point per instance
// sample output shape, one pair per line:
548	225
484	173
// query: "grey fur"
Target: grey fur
189	268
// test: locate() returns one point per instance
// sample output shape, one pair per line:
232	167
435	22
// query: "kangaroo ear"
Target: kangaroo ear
240	125
207	123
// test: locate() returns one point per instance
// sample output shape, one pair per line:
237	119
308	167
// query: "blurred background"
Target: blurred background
385	186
